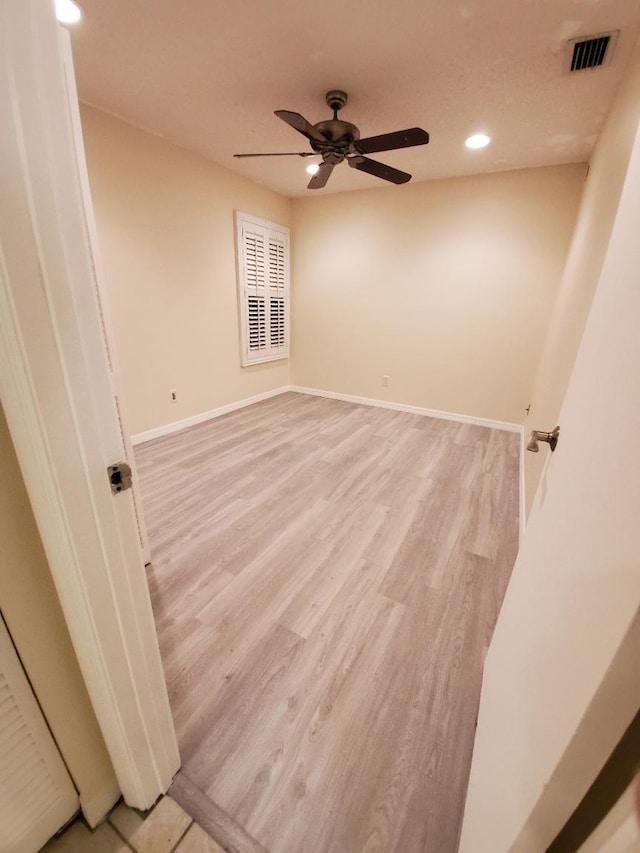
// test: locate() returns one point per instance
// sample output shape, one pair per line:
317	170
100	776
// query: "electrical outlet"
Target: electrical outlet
385	381
173	395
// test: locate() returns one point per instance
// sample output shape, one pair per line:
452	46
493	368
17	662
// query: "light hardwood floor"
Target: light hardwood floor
325	581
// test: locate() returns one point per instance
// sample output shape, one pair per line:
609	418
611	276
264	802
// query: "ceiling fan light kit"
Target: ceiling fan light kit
336	140
477	140
68	12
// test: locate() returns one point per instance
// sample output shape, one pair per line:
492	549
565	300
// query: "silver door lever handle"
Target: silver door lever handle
550	437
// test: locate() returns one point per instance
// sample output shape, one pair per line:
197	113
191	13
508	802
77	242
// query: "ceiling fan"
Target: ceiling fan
336	140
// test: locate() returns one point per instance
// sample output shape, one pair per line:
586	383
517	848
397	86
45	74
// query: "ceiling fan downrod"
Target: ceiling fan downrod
336	100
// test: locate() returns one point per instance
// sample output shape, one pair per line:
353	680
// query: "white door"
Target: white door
56	391
562	676
37	796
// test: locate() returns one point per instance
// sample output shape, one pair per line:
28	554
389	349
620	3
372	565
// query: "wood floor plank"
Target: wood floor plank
325	581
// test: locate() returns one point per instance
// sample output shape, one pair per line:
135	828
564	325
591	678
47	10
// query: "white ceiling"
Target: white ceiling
208	74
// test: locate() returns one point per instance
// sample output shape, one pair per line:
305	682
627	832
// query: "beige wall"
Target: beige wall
31	609
608	168
445	286
166	231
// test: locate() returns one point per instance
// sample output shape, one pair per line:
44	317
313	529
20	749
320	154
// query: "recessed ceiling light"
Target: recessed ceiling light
313	168
478	140
68	12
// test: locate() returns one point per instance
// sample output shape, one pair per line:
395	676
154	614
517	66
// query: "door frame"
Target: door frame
56	392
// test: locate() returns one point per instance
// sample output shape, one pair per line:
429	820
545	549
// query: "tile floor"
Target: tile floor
165	829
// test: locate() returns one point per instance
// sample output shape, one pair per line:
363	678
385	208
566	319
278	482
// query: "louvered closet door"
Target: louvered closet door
37	796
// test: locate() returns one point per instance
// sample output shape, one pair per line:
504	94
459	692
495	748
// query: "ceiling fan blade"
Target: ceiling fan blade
390	141
281	154
321	177
299	123
380	170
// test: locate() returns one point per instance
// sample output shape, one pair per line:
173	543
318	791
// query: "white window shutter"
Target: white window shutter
277	292
255	295
37	796
263	264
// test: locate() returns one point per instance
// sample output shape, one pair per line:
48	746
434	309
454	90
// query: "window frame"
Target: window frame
275	278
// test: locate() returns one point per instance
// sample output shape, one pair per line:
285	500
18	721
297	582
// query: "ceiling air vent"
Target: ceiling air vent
591	51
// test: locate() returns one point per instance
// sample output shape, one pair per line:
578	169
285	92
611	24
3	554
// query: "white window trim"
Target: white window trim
245	223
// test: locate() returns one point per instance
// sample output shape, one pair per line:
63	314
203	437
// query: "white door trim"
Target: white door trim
55	389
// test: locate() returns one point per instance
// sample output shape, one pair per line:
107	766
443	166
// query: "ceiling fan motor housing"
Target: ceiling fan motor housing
339	137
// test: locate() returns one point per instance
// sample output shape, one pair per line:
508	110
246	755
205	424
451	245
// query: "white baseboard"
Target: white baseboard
176	426
414	410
